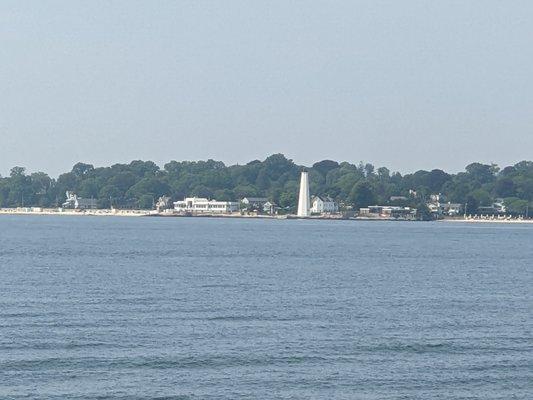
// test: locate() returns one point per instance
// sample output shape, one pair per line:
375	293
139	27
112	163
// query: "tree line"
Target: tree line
140	183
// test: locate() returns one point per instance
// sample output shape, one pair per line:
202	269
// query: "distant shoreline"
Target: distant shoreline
488	221
152	213
77	213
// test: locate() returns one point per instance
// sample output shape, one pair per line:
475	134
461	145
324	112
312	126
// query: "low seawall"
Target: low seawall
62	212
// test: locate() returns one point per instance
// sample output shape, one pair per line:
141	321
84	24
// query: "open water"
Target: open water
199	308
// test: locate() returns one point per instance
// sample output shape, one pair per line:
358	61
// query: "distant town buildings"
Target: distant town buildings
203	205
439	207
388	212
254	203
447	209
79	203
497	208
260	205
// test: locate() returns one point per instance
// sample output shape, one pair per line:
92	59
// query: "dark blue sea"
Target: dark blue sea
200	308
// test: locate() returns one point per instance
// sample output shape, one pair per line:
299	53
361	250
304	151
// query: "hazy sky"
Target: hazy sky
405	84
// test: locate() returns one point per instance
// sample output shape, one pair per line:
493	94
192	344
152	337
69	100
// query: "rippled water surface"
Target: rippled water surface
197	308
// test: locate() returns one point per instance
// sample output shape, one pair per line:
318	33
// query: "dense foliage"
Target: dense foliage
139	183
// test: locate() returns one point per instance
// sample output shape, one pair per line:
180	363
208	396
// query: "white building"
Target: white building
398	198
321	205
254	202
79	203
387	212
303	199
449	209
163	203
270	208
203	205
499	206
436	198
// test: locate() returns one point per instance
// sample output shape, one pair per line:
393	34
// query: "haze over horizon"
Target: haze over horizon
410	85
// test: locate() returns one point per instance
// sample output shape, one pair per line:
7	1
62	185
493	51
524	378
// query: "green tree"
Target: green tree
262	182
423	213
242	191
110	195
224	195
362	195
20	188
482	197
504	187
202	191
471	205
383	173
325	166
481	173
81	169
369	169
276	177
146	202
148	186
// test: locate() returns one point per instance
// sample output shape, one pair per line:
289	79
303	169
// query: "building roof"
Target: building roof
326	198
255	199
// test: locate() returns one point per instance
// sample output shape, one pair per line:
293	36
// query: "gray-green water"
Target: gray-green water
192	308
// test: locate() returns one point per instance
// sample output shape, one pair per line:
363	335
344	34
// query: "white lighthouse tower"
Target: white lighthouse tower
303	199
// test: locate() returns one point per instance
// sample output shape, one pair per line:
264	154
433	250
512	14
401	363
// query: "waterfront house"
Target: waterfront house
203	205
387	212
254	203
451	209
321	205
496	208
163	203
79	203
499	206
448	209
270	208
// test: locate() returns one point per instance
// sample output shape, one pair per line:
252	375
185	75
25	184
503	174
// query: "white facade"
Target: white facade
270	208
320	205
387	212
499	206
203	205
303	199
163	203
254	200
79	203
450	209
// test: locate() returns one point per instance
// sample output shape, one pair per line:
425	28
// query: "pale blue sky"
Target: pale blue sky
405	84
